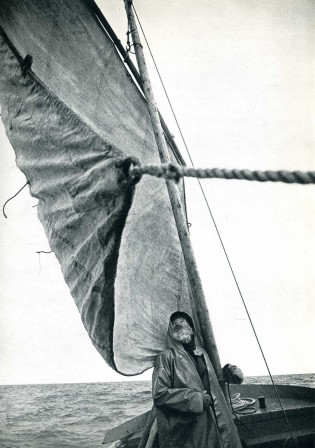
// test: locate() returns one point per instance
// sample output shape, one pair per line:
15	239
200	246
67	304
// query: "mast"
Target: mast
180	220
126	58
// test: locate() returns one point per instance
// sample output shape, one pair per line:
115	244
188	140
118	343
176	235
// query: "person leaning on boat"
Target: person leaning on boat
190	407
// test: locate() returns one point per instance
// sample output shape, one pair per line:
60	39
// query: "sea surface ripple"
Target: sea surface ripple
77	415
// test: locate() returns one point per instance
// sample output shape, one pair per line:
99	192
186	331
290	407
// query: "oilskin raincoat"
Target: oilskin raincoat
182	421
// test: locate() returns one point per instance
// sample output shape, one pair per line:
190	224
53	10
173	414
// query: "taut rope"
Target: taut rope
170	171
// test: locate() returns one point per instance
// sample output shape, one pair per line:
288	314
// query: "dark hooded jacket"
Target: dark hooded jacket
182	421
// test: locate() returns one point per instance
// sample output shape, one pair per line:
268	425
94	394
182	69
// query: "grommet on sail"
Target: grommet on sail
74	118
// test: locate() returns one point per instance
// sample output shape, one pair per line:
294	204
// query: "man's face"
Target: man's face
182	331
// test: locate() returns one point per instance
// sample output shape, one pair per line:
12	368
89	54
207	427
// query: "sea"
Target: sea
77	415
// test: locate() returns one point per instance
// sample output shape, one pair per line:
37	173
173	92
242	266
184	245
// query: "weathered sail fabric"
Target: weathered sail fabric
69	125
83	204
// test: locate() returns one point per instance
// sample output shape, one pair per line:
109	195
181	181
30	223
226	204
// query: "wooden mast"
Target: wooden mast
190	263
126	58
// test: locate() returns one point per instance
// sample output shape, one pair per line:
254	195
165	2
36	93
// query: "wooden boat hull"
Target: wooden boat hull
266	428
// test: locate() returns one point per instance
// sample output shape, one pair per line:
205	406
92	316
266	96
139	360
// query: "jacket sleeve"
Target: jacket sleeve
178	399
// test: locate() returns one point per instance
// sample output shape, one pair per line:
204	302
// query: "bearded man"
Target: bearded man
190	407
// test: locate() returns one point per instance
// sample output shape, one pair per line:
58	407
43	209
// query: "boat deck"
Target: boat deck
266	428
270	426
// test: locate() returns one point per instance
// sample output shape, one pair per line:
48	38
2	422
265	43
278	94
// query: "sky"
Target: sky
240	75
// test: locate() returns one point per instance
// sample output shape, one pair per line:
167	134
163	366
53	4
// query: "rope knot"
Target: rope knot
129	45
129	174
173	172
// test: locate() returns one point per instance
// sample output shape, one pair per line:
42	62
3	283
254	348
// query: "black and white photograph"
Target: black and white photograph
157	186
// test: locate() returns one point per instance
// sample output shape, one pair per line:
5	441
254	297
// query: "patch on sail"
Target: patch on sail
118	247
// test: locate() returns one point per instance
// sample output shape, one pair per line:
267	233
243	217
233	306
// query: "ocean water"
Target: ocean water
77	415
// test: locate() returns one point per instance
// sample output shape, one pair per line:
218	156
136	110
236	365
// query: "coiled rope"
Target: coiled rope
234	405
170	171
242	405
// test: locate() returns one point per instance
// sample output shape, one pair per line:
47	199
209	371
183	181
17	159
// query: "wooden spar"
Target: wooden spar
190	263
125	56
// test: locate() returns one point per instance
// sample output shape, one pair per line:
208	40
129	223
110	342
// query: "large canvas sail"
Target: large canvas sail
72	120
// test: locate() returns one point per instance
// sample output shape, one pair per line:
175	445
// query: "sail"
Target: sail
74	120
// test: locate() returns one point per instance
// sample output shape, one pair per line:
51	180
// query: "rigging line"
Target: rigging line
129	45
164	88
169	171
177	123
253	328
218	233
12	198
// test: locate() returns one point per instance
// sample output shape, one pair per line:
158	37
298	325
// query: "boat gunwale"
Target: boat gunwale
303	394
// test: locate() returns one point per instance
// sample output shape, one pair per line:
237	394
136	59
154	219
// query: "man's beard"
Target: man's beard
184	336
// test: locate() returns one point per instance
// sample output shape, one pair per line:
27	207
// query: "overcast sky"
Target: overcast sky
240	75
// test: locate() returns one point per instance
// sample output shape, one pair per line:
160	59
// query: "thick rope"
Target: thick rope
170	171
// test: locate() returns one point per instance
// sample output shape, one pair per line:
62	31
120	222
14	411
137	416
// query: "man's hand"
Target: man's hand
206	399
